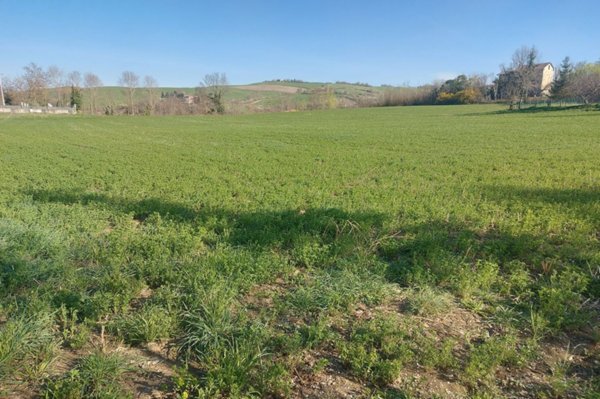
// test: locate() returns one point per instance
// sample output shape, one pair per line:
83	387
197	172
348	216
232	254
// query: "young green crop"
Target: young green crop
255	242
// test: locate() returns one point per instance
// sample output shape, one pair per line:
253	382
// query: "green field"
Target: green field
413	252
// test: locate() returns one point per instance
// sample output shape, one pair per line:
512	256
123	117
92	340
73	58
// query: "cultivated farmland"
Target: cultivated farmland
392	252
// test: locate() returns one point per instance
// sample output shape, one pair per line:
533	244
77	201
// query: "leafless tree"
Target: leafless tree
36	84
517	81
91	82
150	84
523	64
2	100
15	91
74	78
584	83
130	81
55	78
213	87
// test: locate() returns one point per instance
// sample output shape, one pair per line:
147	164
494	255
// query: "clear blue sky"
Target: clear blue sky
373	41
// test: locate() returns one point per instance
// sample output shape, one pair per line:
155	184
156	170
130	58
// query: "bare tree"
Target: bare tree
518	81
74	78
36	84
213	87
151	84
91	82
584	82
3	102
523	63
130	81
55	78
15	91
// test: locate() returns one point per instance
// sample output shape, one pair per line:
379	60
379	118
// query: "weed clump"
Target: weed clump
428	301
377	350
151	323
28	346
98	376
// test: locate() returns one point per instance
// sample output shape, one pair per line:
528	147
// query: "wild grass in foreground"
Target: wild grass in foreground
393	253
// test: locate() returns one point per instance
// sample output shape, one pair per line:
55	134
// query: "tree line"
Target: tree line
515	84
580	81
50	87
55	87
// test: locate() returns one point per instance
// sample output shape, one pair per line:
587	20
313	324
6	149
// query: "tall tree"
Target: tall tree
15	91
559	90
130	81
150	84
91	82
74	78
523	63
213	87
55	77
75	98
2	100
584	83
518	81
36	84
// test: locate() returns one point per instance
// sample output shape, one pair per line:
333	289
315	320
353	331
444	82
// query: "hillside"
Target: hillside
264	96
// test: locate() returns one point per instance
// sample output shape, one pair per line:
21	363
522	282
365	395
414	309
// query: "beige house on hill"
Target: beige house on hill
544	75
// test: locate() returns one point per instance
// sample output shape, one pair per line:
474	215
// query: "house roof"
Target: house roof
542	65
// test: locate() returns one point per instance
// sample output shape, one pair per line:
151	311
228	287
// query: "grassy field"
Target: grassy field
415	252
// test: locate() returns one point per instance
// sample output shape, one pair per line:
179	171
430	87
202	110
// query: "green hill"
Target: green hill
256	97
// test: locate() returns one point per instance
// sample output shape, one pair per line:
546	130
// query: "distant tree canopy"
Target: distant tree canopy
584	83
559	89
463	90
130	80
76	98
518	81
213	87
